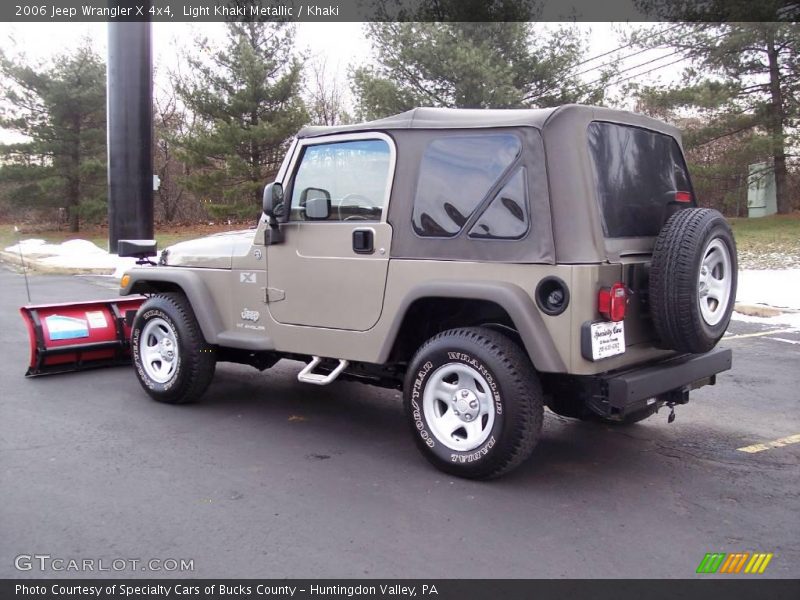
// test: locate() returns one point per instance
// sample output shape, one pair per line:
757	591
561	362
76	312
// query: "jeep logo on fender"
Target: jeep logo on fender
250	315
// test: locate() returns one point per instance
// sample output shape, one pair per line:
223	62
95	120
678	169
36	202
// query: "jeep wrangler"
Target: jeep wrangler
488	263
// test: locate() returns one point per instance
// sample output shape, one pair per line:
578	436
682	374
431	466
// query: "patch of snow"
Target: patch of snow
783	319
37	247
79	247
773	287
90	261
72	254
33	247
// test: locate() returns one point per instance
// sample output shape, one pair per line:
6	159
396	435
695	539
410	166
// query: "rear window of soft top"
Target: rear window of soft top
637	174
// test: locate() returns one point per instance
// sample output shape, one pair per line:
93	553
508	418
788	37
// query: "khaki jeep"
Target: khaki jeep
488	263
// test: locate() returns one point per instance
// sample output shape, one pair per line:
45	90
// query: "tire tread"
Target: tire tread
673	279
200	365
521	381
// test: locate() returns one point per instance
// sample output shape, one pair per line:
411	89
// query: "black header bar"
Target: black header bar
396	10
751	588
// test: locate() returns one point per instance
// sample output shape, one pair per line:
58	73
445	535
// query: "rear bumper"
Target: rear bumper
668	381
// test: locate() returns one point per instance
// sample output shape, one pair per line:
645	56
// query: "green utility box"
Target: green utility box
761	199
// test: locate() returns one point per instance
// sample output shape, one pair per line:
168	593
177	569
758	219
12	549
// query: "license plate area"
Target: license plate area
602	339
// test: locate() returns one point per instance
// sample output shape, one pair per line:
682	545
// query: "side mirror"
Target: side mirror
313	192
273	204
318	208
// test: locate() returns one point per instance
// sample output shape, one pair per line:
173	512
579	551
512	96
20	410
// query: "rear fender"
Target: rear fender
511	298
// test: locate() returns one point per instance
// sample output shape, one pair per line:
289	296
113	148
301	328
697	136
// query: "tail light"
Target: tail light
683	196
612	302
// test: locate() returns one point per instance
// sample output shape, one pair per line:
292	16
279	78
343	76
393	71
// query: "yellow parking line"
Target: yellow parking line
755	562
779	443
759	334
764	564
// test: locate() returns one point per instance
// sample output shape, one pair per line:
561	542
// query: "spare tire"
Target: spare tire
693	280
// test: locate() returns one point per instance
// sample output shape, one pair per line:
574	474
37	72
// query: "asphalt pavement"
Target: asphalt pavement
270	478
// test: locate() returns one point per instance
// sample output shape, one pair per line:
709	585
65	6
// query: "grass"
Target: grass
778	233
165	236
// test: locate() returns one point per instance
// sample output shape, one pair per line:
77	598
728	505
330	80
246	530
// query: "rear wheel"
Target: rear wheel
474	403
172	360
693	278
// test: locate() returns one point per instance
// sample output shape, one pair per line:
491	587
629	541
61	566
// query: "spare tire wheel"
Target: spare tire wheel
693	280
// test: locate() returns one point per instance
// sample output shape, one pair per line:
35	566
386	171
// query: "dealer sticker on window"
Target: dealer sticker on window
608	339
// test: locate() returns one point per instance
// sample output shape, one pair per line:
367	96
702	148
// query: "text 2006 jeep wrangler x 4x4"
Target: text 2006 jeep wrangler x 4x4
486	262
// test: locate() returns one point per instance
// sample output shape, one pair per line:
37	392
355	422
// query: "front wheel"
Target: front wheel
172	360
474	403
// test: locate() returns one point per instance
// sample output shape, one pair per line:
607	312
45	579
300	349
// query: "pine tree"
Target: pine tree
471	65
61	110
744	77
247	104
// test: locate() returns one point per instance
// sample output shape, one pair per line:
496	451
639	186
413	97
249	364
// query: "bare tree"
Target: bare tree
326	104
170	122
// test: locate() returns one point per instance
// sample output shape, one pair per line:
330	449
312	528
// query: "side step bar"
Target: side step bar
307	375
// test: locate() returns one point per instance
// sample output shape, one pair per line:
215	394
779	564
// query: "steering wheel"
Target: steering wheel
357	200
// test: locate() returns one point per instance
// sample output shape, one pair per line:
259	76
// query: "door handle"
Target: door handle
363	241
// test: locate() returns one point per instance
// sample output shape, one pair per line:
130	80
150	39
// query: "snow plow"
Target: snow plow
75	336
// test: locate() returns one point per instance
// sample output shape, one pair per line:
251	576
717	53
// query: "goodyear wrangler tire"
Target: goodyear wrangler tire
693	280
171	358
474	403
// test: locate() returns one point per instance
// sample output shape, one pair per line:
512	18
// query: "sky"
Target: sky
341	44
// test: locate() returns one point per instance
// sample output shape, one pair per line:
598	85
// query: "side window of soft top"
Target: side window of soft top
455	176
506	217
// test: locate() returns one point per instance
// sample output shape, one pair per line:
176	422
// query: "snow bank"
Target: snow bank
72	254
783	319
773	287
36	247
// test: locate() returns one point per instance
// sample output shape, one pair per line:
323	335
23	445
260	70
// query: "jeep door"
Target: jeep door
330	270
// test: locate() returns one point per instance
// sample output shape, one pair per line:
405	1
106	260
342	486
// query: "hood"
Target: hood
213	252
